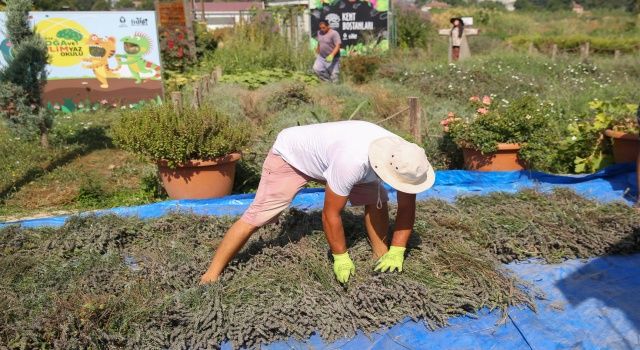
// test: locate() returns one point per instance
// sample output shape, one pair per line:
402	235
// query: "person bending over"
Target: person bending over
352	159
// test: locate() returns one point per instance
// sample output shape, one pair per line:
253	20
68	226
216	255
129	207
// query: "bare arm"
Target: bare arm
332	221
405	219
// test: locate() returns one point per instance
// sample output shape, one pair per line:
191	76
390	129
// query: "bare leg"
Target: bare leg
232	242
377	223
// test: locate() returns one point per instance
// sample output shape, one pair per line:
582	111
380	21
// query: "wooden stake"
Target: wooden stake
617	54
176	100
584	50
414	119
195	100
554	52
212	77
532	49
218	72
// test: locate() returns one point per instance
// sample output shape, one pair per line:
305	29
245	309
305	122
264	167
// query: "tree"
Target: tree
147	5
53	5
101	5
125	4
23	79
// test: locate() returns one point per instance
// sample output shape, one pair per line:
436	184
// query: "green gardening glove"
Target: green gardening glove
343	267
392	260
329	58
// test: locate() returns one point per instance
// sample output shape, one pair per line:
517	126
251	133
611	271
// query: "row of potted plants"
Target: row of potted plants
196	149
520	134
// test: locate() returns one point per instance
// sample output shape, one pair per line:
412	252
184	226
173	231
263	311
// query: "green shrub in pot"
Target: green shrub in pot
160	132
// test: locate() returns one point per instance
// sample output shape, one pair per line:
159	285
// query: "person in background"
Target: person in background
456	37
327	64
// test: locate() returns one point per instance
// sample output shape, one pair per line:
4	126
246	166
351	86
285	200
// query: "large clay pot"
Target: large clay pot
504	159
200	178
625	146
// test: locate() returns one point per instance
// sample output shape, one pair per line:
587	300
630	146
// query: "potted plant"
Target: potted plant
196	150
505	137
608	134
622	128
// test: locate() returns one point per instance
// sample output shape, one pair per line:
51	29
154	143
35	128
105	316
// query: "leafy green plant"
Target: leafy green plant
293	94
590	150
257	45
361	68
413	26
162	133
254	80
525	121
151	186
91	192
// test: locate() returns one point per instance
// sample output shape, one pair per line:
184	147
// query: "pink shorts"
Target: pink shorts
280	182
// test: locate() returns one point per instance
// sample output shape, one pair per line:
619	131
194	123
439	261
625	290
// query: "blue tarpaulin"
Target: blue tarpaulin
613	183
590	304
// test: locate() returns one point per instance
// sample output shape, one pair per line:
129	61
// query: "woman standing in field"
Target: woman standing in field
458	45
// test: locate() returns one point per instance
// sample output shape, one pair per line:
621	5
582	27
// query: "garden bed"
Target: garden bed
112	282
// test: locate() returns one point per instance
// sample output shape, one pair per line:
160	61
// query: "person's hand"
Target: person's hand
208	278
392	260
343	267
329	58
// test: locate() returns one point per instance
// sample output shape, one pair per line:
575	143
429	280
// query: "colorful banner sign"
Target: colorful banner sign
363	25
107	57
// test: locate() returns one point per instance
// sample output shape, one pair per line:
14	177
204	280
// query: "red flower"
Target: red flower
486	100
170	44
180	52
483	110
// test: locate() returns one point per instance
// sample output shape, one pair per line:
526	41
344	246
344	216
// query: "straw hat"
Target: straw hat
401	164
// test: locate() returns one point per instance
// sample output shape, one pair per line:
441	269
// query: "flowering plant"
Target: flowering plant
525	121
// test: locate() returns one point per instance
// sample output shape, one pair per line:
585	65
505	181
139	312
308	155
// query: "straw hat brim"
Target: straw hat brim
380	151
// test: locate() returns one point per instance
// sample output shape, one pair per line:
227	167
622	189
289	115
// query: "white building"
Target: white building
226	14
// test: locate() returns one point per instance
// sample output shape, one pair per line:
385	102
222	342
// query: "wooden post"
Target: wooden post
204	19
532	49
218	73
195	100
176	100
212	77
414	119
584	50
554	52
616	54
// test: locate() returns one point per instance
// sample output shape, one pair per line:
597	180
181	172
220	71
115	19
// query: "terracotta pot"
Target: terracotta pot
200	178
504	159
625	146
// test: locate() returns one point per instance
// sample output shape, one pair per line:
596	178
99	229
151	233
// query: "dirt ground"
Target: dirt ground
120	90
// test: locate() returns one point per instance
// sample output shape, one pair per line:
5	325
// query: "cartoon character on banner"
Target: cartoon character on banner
136	47
100	50
7	50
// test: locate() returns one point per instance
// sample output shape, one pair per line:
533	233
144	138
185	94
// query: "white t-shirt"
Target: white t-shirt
337	152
